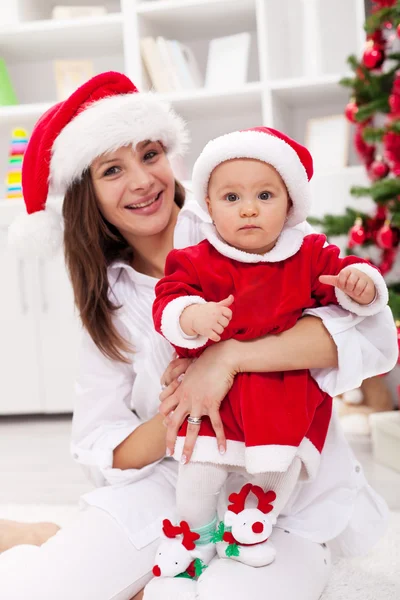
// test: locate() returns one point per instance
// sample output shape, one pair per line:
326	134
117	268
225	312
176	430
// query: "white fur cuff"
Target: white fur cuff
380	301
171	328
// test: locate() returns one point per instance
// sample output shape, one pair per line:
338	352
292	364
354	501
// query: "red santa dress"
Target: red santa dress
269	418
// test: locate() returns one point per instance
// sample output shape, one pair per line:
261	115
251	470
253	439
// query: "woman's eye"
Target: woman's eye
150	155
111	171
231	197
264	196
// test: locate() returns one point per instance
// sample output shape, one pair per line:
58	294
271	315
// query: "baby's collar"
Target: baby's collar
289	242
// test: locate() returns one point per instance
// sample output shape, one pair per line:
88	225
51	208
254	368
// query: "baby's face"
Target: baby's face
248	202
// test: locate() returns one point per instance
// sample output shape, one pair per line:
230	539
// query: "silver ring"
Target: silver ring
194	420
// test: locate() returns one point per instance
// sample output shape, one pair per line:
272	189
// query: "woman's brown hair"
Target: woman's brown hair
91	244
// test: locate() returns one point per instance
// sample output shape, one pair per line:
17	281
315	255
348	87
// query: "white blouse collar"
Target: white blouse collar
289	242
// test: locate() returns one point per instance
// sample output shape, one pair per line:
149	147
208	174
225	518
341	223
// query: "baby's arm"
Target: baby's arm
351	281
209	319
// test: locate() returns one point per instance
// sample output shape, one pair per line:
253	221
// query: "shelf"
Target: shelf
72	38
188	19
23	113
305	91
194	104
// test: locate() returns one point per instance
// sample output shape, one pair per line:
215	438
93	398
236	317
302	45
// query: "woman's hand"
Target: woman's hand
201	391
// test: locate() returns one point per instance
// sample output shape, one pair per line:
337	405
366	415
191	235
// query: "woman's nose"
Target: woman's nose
141	178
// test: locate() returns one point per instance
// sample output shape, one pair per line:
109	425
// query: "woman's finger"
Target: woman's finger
218	427
173	426
169	390
190	441
177	368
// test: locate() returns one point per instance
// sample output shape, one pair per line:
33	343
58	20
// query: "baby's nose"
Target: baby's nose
257	527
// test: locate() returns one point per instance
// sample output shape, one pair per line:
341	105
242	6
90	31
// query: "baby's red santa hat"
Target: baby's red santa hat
292	161
105	113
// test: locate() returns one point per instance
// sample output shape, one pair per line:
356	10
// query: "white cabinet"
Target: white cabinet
39	331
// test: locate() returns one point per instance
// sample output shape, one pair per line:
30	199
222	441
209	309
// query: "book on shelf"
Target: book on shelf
170	65
7	92
227	62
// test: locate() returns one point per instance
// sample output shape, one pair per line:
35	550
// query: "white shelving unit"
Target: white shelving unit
298	54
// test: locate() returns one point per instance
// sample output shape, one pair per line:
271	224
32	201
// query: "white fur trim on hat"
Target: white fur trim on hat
381	298
37	235
109	124
259	146
171	328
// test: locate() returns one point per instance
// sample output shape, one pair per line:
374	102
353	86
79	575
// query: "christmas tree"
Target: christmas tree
374	109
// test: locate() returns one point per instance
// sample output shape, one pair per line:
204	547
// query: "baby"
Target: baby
253	275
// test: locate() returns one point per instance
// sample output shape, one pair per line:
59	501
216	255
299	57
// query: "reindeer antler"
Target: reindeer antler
169	530
188	536
239	500
264	499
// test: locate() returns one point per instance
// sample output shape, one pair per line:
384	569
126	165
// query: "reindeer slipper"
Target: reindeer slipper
244	533
178	555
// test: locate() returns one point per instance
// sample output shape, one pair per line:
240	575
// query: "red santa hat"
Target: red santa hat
292	161
104	114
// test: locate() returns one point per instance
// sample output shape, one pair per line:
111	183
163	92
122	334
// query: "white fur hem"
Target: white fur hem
380	301
259	146
255	459
109	124
287	245
310	456
206	450
171	328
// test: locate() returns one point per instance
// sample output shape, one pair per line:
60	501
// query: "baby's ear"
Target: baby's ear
289	205
208	202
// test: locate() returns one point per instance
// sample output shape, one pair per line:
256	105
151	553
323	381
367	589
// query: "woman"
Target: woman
107	148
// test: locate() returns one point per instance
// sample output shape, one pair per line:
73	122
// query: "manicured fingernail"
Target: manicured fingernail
168	452
183	459
180	378
222	449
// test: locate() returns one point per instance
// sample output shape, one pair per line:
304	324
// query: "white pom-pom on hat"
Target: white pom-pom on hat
36	235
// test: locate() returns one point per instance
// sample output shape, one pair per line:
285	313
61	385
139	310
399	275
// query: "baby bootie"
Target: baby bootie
244	533
178	555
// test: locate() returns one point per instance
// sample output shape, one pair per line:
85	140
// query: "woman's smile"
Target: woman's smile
147	206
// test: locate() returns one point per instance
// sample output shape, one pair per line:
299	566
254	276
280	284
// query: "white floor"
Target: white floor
36	467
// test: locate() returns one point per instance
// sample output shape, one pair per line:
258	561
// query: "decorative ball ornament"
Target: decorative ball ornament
394	103
351	111
386	237
379	169
357	234
398	29
373	56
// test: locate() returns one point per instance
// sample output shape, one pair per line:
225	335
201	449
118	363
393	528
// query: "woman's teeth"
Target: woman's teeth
144	204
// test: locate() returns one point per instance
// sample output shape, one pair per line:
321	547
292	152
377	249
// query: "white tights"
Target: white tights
199	485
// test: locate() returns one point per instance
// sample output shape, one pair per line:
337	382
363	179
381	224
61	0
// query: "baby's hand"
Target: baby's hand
208	319
354	283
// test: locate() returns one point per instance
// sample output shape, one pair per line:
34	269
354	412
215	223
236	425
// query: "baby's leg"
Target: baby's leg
282	484
199	485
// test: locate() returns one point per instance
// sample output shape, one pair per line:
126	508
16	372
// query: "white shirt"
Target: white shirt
113	399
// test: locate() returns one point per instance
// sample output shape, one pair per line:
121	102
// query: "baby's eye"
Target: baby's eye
232	197
264	196
111	171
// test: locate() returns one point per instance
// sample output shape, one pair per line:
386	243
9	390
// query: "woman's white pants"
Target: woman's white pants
93	559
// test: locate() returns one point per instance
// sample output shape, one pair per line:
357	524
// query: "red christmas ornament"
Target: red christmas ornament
386	237
398	29
364	150
396	85
373	56
394	103
351	111
378	170
357	234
